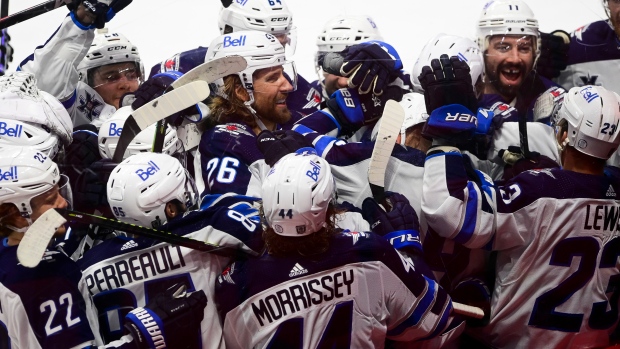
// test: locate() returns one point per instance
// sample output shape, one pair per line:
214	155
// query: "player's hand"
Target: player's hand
178	312
474	292
95	14
453	123
371	65
553	57
274	145
154	88
353	110
447	81
399	219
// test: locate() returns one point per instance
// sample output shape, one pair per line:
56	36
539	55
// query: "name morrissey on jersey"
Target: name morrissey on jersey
301	294
135	267
602	217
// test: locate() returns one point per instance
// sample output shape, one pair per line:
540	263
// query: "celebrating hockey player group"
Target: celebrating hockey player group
225	201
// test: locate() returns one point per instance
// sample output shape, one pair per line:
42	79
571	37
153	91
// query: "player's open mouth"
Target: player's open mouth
511	75
281	101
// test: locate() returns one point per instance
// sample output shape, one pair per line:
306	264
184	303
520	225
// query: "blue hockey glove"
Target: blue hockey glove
153	88
104	11
274	145
170	320
447	81
454	123
353	110
6	51
399	224
371	65
553	57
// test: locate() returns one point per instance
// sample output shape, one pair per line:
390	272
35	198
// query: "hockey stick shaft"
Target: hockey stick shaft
155	234
467	310
7	21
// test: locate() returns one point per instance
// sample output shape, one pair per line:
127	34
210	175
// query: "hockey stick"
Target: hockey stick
36	239
389	129
467	310
34	11
151	233
209	72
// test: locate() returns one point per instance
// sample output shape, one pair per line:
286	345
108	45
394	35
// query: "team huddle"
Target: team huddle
225	201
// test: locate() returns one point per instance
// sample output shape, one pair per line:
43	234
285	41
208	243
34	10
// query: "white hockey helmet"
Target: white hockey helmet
415	113
593	116
343	31
452	45
297	193
111	129
267	16
31	117
109	48
25	174
507	17
260	50
140	187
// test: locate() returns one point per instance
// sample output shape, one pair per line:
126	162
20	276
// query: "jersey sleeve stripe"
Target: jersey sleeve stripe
471	213
420	310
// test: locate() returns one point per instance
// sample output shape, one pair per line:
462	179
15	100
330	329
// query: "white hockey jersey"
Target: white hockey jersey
54	64
557	237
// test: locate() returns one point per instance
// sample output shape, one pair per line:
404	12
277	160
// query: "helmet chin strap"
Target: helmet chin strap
248	105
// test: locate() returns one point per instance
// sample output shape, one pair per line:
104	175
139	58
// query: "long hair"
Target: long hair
229	109
308	245
9	215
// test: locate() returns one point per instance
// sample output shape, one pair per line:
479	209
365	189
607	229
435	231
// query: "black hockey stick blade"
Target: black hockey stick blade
389	129
31	12
159	235
157	109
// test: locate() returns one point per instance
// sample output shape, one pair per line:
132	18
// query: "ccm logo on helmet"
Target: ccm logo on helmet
114	131
10	175
229	41
116	48
279	19
151	170
5	130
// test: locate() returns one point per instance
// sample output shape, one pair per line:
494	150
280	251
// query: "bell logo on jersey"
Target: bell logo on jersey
115	131
148	172
10	175
16	131
229	41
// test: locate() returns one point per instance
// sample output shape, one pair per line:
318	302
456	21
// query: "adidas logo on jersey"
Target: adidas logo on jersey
297	270
611	192
129	244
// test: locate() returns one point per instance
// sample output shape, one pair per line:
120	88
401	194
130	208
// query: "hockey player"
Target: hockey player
152	190
32	118
246	103
339	33
508	36
539	222
44	307
87	73
593	56
322	288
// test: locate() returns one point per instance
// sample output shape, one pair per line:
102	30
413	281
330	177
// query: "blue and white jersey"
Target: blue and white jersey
124	273
305	100
557	237
593	57
355	295
54	64
230	160
44	307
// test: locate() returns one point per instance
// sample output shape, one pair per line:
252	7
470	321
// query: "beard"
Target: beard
272	111
507	90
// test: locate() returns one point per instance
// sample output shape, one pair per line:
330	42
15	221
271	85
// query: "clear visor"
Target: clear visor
507	45
289	41
101	78
64	188
192	199
288	71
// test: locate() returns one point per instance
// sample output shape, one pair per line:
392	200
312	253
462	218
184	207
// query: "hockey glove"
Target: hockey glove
548	104
6	51
154	88
447	81
274	145
371	66
353	110
453	123
474	292
553	57
103	11
170	320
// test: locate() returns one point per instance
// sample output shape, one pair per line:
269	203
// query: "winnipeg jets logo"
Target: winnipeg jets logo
546	171
226	275
589	80
356	236
171	63
89	105
313	97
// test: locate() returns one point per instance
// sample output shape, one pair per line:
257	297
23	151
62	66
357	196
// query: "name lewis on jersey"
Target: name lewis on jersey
296	297
144	266
602	218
